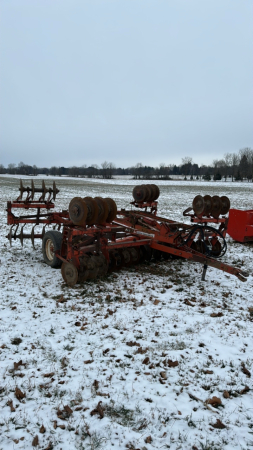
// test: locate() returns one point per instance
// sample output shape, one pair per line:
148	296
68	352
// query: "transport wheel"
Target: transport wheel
208	205
51	243
198	205
216	206
112	209
69	273
225	204
92	207
78	211
103	210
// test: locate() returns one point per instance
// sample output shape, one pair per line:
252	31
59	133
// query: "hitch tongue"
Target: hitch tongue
203	278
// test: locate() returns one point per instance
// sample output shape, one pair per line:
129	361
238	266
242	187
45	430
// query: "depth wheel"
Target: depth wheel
51	243
69	273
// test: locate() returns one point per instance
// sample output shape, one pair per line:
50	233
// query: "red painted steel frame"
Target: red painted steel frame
240	225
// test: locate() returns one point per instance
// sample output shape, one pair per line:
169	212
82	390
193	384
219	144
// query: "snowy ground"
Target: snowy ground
148	358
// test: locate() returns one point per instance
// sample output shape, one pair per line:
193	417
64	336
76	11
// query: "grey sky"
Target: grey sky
125	81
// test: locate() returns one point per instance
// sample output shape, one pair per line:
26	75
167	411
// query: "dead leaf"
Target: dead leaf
10	404
163	375
245	390
19	394
148	440
156	302
16	365
88	361
132	344
48	375
65	413
146	360
214	401
245	370
218	424
35	441
225	394
187	302
42	429
219	314
171	363
98	410
208	372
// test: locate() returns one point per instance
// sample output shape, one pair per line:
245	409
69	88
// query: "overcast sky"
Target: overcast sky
124	81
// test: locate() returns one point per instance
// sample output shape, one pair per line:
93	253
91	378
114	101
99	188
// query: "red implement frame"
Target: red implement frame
133	228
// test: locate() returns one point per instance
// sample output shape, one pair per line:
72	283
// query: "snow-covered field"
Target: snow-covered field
149	358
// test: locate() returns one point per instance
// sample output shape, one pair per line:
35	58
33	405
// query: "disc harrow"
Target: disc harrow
92	237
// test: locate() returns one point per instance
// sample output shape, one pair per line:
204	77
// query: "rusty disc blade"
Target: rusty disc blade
134	255
103	210
225	204
157	191
78	211
208	205
126	257
112	207
216	206
69	273
198	205
149	193
140	193
92	207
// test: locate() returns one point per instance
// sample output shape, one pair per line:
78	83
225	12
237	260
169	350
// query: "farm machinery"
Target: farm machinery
93	237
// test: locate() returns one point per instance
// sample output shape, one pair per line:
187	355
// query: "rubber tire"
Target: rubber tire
56	238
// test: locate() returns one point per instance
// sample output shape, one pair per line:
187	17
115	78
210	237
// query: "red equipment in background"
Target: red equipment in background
240	225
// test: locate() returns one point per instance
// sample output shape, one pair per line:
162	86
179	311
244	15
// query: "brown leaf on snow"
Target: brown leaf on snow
141	350
88	361
77	324
208	372
171	363
65	413
146	360
132	344
226	394
49	447
187	302
10	404
16	365
96	384
98	410
219	314
214	401
48	375
35	441
156	302
42	429
245	390
102	394
245	371
106	351
218	424
164	375
148	440
19	394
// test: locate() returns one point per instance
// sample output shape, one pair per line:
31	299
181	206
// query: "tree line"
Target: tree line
235	166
